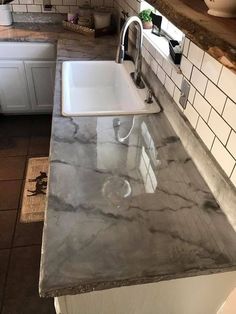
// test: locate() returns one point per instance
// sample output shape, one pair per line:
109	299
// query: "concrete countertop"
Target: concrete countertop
124	213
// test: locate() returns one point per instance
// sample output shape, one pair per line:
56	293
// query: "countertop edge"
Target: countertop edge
105	285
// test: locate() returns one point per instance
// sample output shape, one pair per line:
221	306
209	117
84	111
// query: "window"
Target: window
161	44
170	29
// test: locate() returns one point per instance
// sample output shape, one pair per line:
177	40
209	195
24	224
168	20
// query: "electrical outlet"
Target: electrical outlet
185	88
47	6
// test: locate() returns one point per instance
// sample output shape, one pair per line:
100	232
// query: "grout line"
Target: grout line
231	131
209	117
212	143
7	209
221	70
13	235
27	245
232	171
9	180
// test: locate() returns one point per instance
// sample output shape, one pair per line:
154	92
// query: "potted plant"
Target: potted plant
146	18
221	8
5	13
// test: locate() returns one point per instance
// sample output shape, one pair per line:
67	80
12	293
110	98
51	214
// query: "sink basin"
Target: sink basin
93	88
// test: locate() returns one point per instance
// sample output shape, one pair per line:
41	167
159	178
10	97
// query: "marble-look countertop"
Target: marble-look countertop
124	211
34	32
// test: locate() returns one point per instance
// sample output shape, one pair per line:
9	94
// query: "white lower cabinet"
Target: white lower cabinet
40	77
13	87
194	295
27	81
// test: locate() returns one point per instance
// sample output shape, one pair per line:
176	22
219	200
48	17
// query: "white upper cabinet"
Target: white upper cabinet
13	87
27	72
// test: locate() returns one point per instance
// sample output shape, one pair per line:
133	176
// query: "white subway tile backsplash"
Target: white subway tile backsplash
159	58
176	97
186	67
195	55
229	113
191	114
211	107
69	5
186	46
26	1
146	55
219	126
205	133
152	50
211	68
177	78
202	106
19	8
215	97
69	2
53	10
153	65
199	80
56	2
34	7
63	8
169	85
167	67
233	177
225	160
192	94
227	83
146	42
231	146
161	74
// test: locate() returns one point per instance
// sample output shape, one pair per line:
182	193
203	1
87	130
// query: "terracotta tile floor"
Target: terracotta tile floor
21	137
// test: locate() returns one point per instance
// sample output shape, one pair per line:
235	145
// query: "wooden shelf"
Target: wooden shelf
213	34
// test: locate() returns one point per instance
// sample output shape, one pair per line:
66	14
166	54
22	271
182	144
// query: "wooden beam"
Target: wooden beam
215	35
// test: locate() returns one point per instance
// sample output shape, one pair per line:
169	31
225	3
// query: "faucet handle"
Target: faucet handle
149	96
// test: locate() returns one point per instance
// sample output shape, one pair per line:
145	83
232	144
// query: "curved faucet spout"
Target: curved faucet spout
139	42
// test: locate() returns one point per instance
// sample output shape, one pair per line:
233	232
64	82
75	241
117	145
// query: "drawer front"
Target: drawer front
30	51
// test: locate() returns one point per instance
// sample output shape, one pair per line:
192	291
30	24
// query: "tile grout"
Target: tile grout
26	156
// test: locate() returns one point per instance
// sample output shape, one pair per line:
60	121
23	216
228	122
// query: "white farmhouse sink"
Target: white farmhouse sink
92	88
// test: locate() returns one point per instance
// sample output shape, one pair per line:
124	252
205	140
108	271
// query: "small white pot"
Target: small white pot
221	8
102	19
5	15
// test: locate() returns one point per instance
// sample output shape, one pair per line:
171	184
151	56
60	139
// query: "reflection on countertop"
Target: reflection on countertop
127	212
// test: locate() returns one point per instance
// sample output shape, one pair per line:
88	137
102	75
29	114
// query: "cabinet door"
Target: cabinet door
40	78
13	87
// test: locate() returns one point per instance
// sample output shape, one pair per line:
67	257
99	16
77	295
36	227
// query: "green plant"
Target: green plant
145	15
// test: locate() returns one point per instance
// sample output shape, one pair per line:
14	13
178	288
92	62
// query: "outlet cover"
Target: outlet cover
47	5
185	88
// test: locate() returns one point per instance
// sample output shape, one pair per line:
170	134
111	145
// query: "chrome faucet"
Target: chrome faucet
136	76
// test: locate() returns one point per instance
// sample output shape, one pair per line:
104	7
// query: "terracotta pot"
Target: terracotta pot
147	25
221	8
